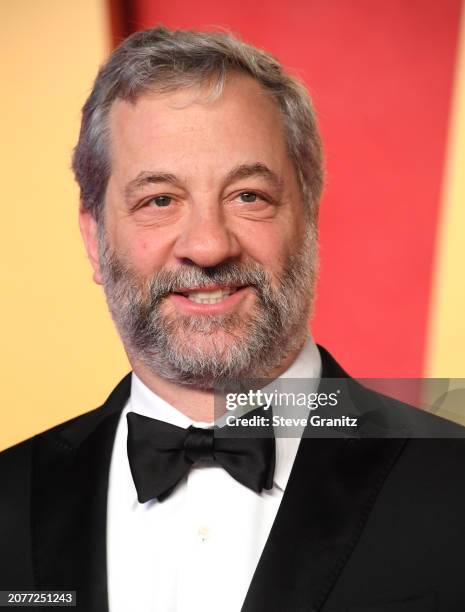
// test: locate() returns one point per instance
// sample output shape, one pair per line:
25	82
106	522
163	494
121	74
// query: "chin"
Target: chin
208	343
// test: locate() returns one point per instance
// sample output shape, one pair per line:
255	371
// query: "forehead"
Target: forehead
192	131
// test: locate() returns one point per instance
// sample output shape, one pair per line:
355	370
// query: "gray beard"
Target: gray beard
239	347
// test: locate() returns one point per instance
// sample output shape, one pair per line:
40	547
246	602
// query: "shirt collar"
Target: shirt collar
306	366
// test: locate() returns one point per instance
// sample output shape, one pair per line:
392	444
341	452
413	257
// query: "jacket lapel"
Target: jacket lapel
332	488
69	497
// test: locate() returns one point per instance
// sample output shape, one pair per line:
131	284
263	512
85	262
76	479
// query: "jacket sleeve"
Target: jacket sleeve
16	568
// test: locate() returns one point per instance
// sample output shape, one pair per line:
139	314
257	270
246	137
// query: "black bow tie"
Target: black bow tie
161	454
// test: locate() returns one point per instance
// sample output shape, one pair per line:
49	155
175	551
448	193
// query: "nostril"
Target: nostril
188	262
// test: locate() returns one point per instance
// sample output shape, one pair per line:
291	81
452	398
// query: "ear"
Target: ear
88	227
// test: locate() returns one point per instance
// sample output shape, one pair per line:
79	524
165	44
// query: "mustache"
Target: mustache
226	273
164	282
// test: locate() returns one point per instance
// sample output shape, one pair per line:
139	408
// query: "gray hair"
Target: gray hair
161	60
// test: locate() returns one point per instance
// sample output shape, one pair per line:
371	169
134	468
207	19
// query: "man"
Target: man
200	170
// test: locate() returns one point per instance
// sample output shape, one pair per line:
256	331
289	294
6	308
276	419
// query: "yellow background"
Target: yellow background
60	354
446	346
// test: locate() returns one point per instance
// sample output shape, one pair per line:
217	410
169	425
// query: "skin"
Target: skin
199	215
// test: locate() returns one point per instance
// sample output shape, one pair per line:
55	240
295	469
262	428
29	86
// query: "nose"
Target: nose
206	240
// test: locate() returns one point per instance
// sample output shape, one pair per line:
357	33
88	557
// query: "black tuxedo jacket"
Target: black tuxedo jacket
369	525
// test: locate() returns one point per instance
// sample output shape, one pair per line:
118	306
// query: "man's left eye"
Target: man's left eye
248	196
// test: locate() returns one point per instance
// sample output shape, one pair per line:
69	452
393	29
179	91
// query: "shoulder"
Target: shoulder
15	471
430	440
15	462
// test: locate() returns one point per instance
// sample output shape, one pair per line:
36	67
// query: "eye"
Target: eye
248	196
161	201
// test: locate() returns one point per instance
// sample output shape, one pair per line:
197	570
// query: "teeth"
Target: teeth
210	297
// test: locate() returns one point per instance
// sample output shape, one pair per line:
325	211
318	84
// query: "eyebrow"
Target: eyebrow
243	171
149	178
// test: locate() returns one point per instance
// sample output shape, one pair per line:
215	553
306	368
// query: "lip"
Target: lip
207	288
227	304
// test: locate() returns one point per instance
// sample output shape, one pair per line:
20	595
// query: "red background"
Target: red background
380	75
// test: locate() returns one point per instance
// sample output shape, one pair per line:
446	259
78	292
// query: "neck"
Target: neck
196	404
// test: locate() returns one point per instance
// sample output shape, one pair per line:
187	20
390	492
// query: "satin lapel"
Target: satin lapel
332	488
330	493
70	482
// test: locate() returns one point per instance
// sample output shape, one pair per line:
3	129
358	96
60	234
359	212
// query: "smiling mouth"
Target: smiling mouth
208	296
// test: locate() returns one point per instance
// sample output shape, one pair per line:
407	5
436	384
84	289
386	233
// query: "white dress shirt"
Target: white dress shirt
198	549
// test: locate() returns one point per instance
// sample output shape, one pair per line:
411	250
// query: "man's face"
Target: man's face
206	256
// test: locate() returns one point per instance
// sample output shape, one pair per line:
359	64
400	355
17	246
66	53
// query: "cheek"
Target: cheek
269	244
142	250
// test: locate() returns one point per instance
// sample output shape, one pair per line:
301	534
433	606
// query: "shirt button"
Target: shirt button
203	533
